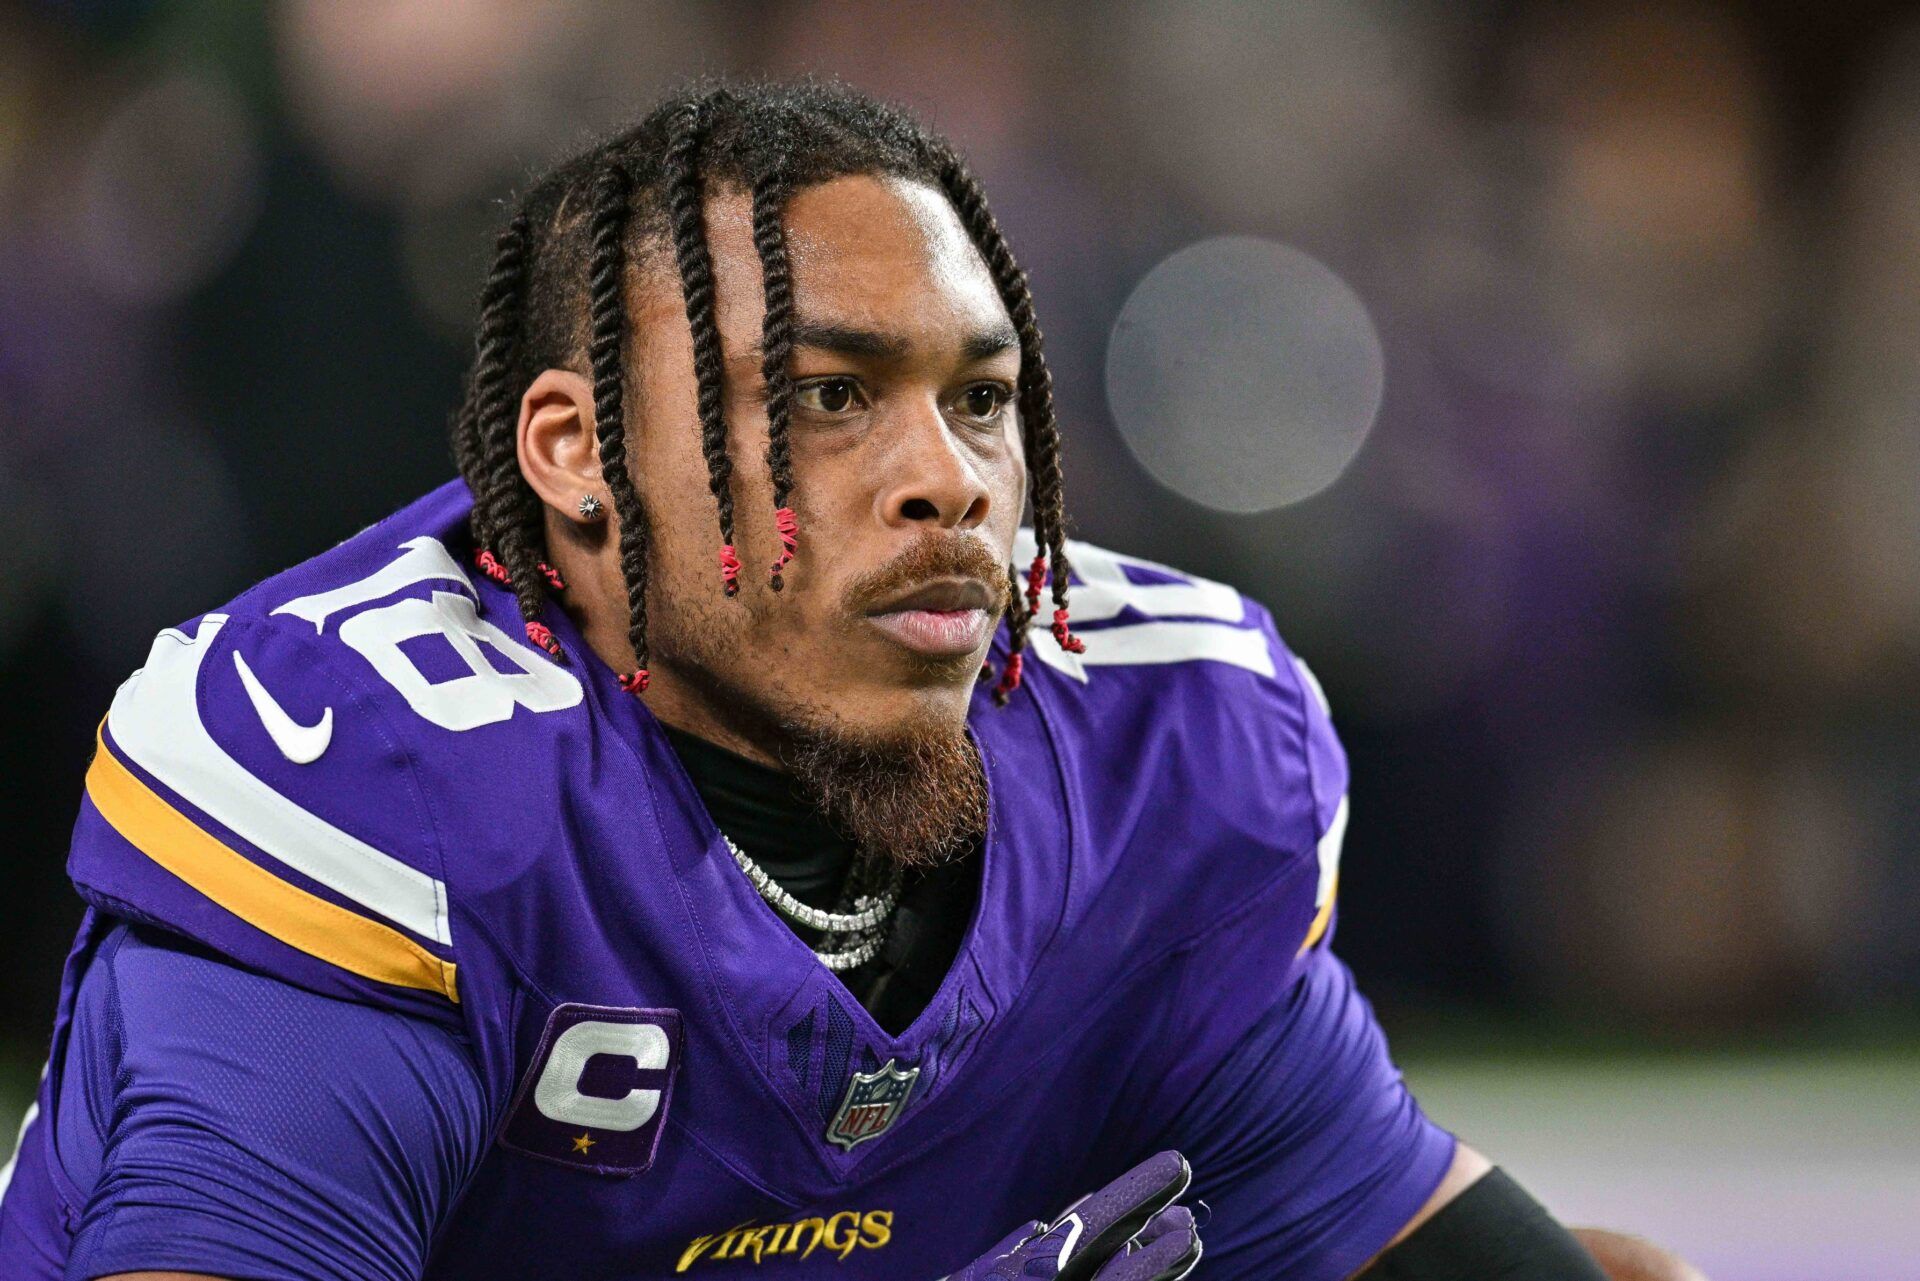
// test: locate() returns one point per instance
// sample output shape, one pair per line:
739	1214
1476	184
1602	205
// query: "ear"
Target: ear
559	453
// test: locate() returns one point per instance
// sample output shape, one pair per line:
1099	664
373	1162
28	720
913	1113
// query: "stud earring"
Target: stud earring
590	507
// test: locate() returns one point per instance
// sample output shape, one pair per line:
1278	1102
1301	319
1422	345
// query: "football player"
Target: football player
712	837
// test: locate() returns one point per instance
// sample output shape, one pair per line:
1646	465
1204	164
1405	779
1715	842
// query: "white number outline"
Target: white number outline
486	695
1190	620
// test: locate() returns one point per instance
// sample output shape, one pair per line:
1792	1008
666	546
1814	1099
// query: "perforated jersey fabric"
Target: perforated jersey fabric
215	1120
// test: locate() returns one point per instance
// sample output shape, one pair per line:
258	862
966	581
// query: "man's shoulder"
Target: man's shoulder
283	779
394	622
1200	752
1185	677
432	527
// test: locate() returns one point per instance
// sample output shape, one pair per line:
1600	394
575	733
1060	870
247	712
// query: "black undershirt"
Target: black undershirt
756	805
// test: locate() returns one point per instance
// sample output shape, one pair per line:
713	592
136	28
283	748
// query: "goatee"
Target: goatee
913	800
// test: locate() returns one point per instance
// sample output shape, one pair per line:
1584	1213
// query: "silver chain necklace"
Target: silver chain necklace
864	927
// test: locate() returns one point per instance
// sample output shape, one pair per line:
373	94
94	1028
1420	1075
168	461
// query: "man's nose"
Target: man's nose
931	480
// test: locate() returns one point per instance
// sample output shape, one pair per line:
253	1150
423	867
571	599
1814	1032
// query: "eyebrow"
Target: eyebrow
846	340
990	342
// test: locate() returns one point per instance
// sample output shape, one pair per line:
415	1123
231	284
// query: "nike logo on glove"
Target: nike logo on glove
301	744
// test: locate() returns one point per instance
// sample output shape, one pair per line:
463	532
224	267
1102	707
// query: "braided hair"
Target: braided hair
556	294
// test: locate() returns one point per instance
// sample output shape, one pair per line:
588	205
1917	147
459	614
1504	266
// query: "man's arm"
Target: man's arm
223	1123
1521	1231
1625	1258
1317	1162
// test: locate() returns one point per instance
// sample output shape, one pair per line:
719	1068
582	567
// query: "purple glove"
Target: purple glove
1129	1230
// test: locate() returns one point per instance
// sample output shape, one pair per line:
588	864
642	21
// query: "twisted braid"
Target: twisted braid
606	354
489	387
1019	624
695	261
1041	428
506	520
776	345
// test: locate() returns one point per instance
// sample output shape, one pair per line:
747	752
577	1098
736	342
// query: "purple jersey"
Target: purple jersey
359	779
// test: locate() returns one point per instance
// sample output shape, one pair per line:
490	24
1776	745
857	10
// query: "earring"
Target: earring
590	507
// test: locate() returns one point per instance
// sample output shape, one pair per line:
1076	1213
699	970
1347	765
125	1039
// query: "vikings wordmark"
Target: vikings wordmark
841	1233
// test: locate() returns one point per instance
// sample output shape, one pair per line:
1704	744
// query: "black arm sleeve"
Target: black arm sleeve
1494	1231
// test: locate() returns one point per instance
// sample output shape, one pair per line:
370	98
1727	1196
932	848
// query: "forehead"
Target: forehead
881	253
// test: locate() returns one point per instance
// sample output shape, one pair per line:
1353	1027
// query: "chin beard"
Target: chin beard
917	799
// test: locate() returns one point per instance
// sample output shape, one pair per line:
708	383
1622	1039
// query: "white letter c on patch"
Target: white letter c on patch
558	1096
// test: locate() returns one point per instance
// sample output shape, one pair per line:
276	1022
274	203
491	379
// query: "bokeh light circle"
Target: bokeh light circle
1243	374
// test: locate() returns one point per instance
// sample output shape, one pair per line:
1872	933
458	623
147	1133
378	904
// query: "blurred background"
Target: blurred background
1575	442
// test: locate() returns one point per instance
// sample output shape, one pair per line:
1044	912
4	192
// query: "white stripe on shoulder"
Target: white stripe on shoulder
1313	683
1165	617
156	722
1329	854
1168	642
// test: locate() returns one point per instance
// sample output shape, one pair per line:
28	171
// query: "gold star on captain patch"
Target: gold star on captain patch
582	1143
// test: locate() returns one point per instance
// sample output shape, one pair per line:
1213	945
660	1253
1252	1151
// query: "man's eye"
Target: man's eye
827	395
983	400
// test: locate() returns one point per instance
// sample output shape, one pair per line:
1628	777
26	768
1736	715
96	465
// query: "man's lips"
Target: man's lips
942	633
944	618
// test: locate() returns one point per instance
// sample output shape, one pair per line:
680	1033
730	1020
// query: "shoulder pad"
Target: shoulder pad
257	782
1196	739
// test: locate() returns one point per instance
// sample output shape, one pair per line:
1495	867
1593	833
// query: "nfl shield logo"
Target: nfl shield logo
872	1103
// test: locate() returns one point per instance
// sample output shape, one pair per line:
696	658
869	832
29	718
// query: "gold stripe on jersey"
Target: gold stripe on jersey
1324	917
300	919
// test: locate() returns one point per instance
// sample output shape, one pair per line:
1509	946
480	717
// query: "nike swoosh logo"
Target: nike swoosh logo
301	744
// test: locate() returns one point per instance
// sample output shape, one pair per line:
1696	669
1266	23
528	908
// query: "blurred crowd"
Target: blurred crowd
1618	608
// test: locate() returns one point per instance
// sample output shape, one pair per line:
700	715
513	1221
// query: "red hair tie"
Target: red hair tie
1009	680
1036	575
542	635
729	568
489	564
635	682
484	561
1065	638
787	525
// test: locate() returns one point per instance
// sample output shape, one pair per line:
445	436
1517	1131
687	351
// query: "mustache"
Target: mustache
934	556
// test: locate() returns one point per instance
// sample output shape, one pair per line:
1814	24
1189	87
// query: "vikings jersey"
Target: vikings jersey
358	788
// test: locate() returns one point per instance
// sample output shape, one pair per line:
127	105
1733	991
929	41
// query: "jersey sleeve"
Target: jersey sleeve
1200	758
248	794
1303	1137
213	1120
1326	777
1211	774
1304	1140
